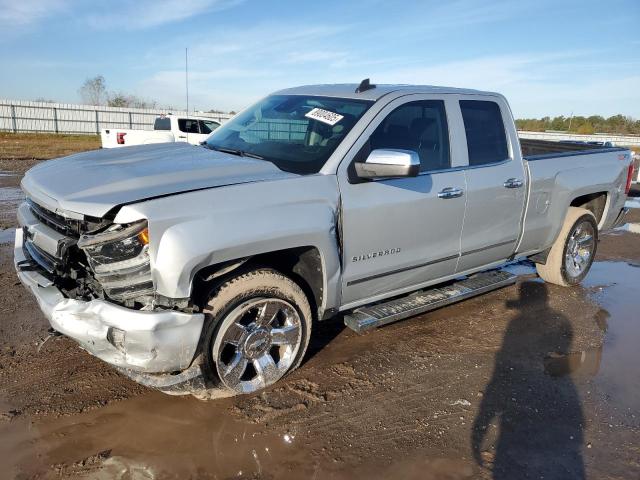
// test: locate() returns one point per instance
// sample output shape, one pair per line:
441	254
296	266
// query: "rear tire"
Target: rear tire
257	330
573	251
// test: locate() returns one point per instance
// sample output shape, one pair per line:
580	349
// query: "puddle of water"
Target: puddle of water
147	436
630	227
614	366
9	179
524	268
7	236
10	197
11	194
159	436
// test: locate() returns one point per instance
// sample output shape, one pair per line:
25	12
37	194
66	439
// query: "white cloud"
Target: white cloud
153	13
313	56
535	84
240	66
20	13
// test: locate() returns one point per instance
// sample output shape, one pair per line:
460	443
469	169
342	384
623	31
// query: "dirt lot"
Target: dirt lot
532	381
21	151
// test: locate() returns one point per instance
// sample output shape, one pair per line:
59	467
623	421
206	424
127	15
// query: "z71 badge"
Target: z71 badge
369	256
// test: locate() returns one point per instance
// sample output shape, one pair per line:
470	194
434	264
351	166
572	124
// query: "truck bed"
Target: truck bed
543	149
598	174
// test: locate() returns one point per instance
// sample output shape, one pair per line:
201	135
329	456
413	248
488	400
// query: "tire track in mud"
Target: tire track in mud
399	387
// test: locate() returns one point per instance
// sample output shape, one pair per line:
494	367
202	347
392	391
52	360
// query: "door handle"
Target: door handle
182	136
513	183
450	192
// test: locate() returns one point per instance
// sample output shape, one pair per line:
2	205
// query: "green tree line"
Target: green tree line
617	124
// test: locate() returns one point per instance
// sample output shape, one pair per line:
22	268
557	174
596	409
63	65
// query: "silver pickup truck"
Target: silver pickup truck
204	268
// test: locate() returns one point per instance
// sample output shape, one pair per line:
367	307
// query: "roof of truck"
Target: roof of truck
348	90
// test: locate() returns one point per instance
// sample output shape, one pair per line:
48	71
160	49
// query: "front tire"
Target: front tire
258	329
573	251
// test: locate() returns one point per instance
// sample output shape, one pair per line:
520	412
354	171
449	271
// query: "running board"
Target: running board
366	318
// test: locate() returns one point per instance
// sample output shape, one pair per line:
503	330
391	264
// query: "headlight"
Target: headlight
119	258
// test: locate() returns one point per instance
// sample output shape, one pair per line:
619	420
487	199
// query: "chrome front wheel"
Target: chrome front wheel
257	343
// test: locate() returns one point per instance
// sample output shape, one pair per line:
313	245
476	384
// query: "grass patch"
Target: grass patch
21	151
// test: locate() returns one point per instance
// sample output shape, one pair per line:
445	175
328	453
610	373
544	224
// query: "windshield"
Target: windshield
297	133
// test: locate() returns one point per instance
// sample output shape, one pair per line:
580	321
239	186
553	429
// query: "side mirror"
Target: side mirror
389	163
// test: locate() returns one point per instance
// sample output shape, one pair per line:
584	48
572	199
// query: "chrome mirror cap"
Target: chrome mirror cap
389	163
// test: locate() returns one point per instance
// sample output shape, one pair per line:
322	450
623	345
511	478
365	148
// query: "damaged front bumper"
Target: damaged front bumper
134	340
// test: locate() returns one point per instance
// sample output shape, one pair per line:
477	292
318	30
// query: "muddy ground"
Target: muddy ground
531	381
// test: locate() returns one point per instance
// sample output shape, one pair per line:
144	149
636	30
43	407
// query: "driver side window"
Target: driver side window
419	126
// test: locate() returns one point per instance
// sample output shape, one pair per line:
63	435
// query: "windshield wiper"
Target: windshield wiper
233	151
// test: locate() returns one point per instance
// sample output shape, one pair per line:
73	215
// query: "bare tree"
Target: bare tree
94	90
120	99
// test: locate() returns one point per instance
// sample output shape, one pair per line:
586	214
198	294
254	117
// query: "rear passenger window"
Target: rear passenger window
486	138
419	126
188	126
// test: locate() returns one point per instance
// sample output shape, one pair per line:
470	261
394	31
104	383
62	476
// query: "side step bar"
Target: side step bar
366	318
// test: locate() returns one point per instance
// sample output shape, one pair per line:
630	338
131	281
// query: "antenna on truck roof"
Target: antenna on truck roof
364	86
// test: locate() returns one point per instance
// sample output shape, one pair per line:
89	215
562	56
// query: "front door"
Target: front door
399	233
189	131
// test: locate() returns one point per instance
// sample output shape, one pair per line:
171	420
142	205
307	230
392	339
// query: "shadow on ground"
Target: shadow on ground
539	430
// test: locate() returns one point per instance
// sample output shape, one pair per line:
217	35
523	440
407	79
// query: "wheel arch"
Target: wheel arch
596	203
304	265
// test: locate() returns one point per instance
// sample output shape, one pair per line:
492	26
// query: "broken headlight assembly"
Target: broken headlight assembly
119	258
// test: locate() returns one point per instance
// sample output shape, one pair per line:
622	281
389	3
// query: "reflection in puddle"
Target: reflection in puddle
150	435
524	268
630	227
581	363
614	286
615	289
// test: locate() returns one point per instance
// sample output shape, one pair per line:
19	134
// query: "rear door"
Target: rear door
495	180
400	233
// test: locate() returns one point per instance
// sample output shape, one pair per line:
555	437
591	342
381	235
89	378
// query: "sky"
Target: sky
548	57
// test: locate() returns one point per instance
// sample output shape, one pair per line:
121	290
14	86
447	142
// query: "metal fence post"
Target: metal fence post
13	118
97	124
130	121
55	119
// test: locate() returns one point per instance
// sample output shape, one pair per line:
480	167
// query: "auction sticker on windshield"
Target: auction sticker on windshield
324	116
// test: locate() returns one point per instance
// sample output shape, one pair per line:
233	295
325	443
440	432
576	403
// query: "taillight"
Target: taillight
120	137
629	179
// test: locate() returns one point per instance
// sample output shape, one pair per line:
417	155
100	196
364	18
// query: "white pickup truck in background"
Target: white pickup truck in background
166	128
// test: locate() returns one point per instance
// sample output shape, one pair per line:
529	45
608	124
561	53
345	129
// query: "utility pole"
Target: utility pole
186	74
186	80
570	120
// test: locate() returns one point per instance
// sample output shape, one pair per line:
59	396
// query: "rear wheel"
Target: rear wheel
573	251
259	325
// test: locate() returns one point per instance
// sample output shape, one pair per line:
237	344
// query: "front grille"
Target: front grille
43	259
80	271
63	225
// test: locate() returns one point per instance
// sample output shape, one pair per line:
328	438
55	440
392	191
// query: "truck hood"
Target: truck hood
92	183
